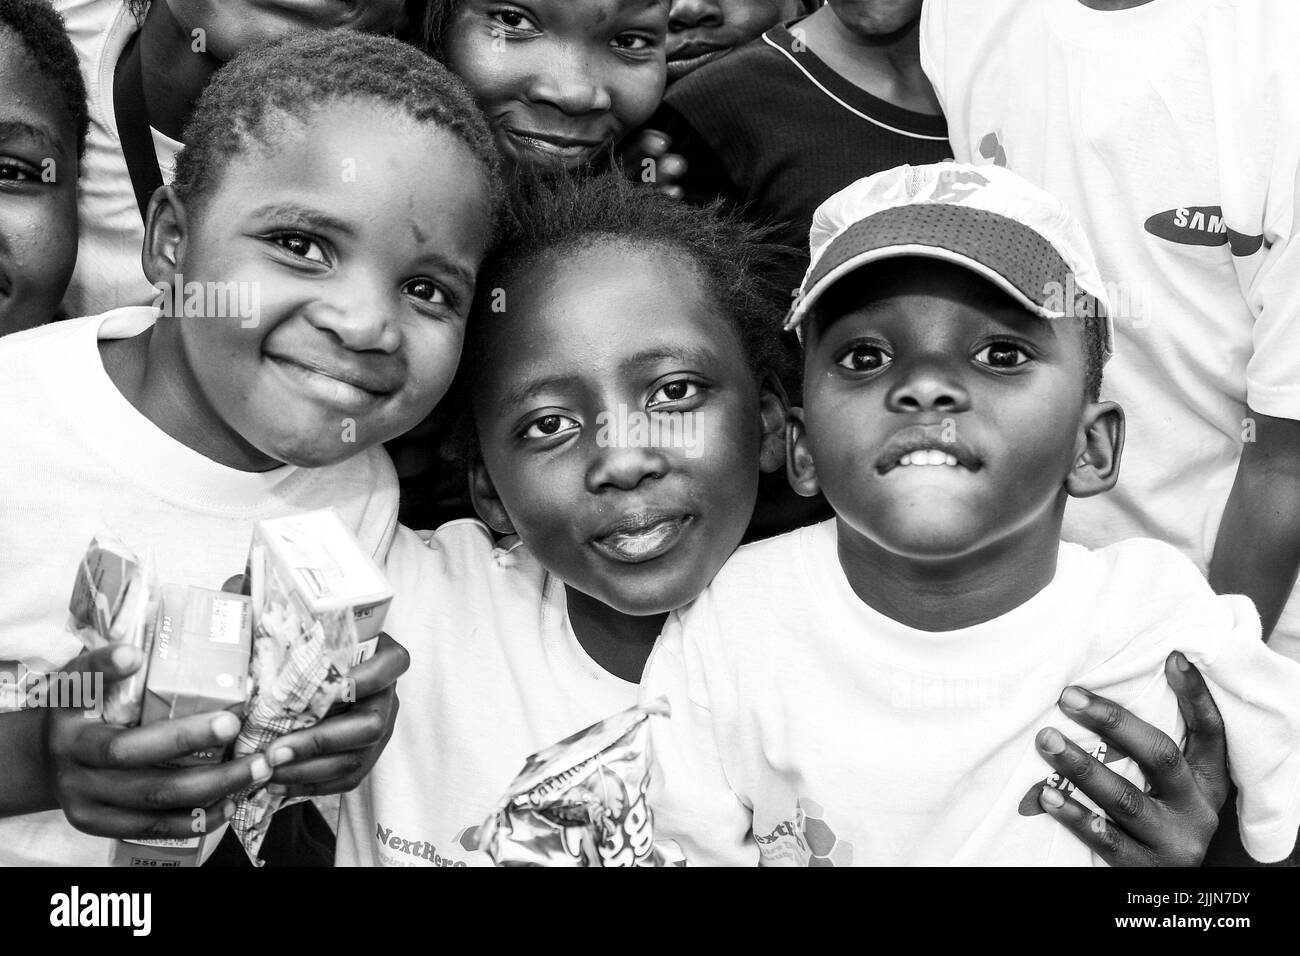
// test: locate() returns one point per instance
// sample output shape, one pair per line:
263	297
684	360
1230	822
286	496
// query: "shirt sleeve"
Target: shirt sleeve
1273	293
1258	693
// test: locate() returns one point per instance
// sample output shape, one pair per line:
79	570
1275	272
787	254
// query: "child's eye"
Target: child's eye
13	172
300	246
426	290
514	19
633	42
1002	355
548	426
674	392
865	358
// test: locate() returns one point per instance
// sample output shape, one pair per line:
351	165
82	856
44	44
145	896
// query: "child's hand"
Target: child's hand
1172	823
337	753
647	159
105	778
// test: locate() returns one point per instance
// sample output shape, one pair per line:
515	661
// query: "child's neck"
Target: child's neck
174	74
620	643
887	67
947	595
150	374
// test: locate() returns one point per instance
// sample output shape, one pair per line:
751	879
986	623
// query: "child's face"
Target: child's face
560	80
595	351
875	18
940	417
703	30
38	191
357	237
230	26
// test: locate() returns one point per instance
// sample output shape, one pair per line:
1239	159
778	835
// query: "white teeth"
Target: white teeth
929	456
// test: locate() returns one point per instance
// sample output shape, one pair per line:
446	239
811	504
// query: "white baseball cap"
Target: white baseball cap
985	218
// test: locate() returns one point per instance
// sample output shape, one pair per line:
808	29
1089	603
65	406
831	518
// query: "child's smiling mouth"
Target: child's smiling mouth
348	389
925	447
641	537
568	148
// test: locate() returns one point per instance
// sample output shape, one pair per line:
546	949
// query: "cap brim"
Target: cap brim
1011	255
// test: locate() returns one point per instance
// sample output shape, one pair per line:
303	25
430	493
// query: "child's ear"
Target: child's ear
483	495
166	232
800	469
1100	444
773	406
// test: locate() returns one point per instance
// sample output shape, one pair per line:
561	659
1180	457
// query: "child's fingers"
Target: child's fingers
1109	842
671	168
100	745
1124	803
389	662
362	727
106	821
331	773
1207	746
114	661
180	788
1162	763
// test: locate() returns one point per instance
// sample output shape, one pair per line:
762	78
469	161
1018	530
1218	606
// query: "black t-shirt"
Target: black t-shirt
774	129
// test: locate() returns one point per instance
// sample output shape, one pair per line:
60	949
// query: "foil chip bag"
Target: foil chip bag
582	801
318	603
115	599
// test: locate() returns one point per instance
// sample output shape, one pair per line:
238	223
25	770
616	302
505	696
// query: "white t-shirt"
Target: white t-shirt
1171	131
108	273
496	675
851	739
78	460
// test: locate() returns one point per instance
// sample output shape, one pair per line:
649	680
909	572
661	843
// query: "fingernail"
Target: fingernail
1050	741
123	657
1052	797
1182	663
225	725
280	756
1073	699
260	769
276	789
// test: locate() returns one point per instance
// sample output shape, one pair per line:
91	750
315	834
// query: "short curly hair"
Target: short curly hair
248	99
558	216
39	28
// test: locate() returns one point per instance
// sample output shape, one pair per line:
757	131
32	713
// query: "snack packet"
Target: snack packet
115	598
582	801
318	604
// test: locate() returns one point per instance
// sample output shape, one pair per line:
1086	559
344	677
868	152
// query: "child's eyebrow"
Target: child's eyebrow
524	391
18	129
303	216
684	354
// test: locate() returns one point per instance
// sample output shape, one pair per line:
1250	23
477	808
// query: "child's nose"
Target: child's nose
693	14
360	317
928	386
572	84
624	468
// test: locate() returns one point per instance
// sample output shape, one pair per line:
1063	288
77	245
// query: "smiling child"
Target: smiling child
349	187
952	406
561	81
